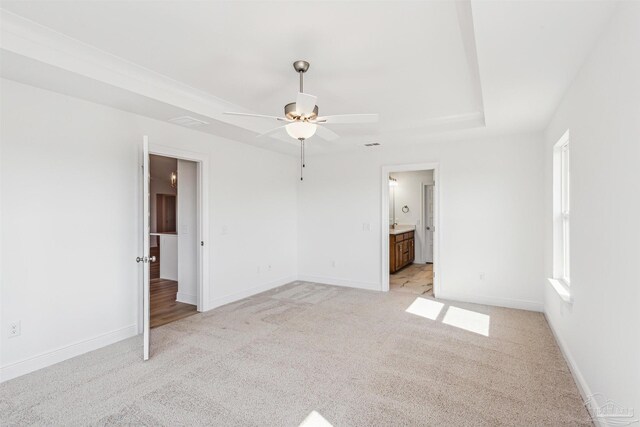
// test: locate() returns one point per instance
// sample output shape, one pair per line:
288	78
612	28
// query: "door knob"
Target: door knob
152	259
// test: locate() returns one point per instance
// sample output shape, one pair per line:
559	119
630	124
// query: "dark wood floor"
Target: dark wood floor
164	307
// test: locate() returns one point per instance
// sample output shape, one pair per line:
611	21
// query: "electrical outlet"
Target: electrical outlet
481	276
14	329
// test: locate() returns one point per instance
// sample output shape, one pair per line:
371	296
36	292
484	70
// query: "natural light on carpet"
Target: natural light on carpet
454	316
468	320
426	308
314	419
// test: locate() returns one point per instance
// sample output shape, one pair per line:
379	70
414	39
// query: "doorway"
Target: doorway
409	229
196	186
172	239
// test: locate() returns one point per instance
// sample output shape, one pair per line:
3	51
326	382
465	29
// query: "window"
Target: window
564	214
561	213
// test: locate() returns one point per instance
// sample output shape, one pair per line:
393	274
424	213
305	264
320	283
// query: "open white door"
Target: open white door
428	223
145	259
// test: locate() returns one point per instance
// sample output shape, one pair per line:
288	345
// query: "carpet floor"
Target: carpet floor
355	357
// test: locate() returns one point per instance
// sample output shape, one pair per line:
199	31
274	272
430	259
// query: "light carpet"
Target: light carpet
355	357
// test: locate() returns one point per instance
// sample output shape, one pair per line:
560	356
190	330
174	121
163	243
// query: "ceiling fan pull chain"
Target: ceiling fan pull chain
301	159
303	155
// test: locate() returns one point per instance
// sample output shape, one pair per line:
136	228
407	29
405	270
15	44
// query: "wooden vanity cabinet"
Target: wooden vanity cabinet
402	250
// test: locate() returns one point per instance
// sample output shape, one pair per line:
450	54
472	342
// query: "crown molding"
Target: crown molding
34	41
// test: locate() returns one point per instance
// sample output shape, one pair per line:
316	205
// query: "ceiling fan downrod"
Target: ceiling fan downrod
301	67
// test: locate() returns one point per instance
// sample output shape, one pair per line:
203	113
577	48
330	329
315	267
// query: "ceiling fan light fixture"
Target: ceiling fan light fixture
291	112
301	130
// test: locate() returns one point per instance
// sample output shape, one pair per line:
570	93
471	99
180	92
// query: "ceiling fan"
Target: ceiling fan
301	119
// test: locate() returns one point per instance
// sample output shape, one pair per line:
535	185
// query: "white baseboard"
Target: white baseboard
495	301
581	383
340	282
227	299
49	358
187	298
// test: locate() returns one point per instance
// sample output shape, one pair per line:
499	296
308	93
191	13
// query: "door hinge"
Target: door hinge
201	242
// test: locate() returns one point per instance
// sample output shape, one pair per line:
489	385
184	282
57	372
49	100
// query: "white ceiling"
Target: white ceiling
426	67
529	52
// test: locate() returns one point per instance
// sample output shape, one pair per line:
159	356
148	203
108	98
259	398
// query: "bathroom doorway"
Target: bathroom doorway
409	238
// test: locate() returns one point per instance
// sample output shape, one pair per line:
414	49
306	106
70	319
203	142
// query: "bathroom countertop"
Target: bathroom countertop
401	229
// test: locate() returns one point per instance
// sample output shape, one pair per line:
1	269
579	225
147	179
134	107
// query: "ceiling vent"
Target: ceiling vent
372	144
187	121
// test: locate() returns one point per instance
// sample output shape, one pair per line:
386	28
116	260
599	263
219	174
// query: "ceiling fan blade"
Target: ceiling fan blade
348	118
274	130
326	134
282	119
305	103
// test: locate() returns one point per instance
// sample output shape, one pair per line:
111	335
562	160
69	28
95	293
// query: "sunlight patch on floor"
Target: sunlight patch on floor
314	419
424	307
468	320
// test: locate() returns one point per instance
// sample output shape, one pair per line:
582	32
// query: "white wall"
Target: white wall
491	217
71	293
599	332
168	256
409	192
187	232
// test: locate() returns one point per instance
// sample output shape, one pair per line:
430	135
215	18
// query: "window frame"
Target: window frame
562	216
565	191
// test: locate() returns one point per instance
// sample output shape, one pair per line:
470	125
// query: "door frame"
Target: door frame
202	208
384	225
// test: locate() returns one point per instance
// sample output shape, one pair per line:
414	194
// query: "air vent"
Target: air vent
372	144
187	121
